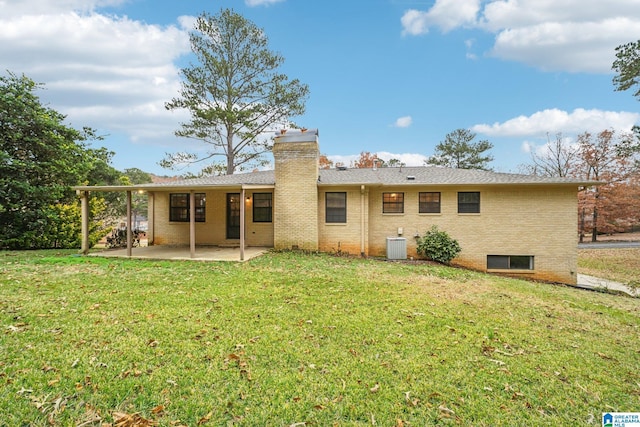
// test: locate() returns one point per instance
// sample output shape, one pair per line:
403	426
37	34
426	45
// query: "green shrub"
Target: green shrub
438	246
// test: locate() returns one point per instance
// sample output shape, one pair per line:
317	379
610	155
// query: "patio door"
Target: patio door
233	215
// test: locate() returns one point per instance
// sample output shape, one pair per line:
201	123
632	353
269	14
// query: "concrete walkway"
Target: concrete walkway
598	284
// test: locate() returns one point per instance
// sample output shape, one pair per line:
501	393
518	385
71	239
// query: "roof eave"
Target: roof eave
165	187
458	184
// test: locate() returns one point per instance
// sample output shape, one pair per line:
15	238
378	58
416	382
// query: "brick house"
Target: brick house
505	223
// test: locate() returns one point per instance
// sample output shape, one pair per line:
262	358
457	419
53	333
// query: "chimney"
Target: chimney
295	205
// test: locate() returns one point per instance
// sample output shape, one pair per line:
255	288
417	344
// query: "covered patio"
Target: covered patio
226	228
167	252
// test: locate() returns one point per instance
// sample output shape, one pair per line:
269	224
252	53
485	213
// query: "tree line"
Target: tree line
40	159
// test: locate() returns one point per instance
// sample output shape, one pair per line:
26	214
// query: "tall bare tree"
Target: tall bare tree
557	158
234	93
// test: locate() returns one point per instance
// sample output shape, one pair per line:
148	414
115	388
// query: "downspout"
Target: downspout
362	223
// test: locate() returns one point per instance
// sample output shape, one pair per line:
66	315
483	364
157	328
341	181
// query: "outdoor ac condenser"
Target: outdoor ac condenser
396	248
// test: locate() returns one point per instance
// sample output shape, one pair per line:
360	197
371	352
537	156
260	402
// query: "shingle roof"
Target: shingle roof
250	178
419	175
431	175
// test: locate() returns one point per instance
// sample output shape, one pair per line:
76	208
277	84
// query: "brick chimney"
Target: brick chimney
295	208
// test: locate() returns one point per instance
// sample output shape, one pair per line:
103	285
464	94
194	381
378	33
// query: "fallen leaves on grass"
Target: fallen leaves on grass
205	419
122	419
604	356
409	400
241	363
18	327
446	411
90	417
158	410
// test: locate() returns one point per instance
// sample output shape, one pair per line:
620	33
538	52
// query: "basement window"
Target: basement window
510	262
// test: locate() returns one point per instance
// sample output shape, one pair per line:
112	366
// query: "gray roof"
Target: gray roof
433	175
404	176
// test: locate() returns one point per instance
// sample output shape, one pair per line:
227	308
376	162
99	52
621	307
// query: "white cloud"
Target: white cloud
409	159
253	3
567	46
569	35
445	14
403	122
111	73
13	8
554	121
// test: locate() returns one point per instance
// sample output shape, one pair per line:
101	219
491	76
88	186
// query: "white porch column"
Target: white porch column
192	224
129	242
243	206
84	200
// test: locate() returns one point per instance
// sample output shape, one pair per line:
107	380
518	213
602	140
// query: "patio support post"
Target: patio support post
362	223
129	242
192	224
84	200
242	208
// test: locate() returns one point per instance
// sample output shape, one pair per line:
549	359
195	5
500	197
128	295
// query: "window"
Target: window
469	202
336	207
392	202
509	262
179	207
429	203
262	207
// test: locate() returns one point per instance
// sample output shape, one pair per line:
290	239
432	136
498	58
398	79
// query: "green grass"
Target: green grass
289	338
621	265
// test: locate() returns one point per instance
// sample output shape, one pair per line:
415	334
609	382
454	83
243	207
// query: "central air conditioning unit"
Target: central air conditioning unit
396	248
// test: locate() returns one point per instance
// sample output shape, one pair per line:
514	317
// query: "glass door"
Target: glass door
233	215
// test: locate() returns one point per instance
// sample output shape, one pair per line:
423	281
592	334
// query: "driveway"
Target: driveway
609	245
598	284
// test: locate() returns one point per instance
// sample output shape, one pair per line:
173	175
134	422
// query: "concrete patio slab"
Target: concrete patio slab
203	253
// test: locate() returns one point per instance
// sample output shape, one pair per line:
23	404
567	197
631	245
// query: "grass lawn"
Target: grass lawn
305	340
620	265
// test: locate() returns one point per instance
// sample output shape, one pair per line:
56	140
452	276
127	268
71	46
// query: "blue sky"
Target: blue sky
391	77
